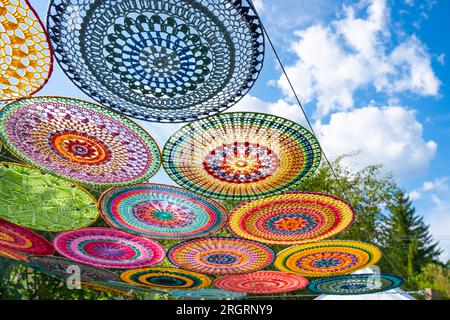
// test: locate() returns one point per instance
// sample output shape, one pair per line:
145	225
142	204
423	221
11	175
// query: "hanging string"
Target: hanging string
348	198
277	56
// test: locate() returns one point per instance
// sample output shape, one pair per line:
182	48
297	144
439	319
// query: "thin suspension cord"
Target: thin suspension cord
348	198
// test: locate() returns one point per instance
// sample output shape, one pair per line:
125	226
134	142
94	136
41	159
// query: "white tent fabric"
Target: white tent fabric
394	294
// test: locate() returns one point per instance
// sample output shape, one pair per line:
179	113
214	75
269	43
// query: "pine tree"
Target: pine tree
408	243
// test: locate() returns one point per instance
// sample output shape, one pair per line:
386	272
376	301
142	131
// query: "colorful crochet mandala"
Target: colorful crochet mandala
291	218
9	254
355	284
79	141
241	155
161	211
221	255
207	294
164	61
119	287
65	268
25	54
17	238
41	201
108	248
262	282
166	278
104	287
327	258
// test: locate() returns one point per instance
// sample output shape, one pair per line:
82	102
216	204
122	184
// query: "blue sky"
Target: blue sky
373	76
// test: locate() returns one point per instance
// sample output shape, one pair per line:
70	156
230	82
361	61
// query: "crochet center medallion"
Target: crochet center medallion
327	258
79	141
161	211
221	255
109	248
241	155
164	61
166	278
292	218
262	282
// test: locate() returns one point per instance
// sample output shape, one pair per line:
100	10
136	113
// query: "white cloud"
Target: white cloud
427	186
418	10
414	71
415	195
391	136
282	17
336	60
438	184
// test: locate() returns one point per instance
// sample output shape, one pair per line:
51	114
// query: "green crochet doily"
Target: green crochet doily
40	201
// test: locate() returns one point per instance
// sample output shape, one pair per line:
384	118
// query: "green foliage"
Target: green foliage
406	238
385	217
435	276
20	282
